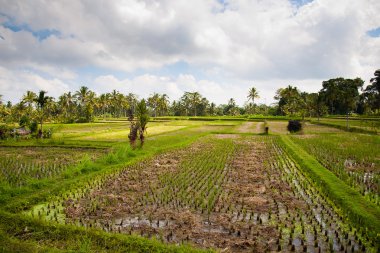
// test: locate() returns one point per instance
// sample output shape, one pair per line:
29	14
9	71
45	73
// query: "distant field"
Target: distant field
370	125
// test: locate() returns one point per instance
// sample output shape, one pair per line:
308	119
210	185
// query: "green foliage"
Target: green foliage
5	131
289	101
294	126
138	128
341	95
24	121
33	126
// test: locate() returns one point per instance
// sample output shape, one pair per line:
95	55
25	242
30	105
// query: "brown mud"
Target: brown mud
259	208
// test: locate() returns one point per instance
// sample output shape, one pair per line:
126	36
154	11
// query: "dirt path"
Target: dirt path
249	127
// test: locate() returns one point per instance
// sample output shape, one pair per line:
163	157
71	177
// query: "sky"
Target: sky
219	48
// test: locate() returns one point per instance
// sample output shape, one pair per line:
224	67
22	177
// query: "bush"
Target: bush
24	121
5	132
33	126
294	126
47	133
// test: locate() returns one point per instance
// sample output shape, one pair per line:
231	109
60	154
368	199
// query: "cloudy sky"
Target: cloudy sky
219	48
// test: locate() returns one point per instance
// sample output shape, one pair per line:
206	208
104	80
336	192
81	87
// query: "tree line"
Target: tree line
338	96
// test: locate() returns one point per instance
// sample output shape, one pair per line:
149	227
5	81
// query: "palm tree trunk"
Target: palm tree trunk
41	133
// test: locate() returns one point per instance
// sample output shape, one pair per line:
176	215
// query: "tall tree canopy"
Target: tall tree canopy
341	95
371	93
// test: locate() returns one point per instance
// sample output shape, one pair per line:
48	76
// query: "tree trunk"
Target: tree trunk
41	133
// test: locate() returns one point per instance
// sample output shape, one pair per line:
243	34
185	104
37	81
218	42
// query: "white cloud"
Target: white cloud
244	42
145	85
13	84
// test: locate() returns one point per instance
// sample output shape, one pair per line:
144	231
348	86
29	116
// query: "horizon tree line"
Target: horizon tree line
338	96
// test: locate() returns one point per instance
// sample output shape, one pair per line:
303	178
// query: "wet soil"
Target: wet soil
264	205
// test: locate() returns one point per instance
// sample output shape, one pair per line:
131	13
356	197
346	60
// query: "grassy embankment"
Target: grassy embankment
360	212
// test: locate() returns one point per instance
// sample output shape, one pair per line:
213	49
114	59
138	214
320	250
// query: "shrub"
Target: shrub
24	121
47	133
33	126
5	132
294	126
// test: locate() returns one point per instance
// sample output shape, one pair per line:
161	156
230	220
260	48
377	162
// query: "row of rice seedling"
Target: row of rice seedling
199	181
303	217
353	158
320	223
17	173
244	194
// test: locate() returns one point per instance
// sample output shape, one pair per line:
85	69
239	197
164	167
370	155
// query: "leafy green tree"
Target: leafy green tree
371	93
341	95
290	100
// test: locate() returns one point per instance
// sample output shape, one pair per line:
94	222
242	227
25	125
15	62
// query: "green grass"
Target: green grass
355	125
24	234
359	211
334	150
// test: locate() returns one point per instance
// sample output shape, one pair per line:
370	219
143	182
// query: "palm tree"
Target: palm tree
212	109
114	101
41	102
66	102
82	94
153	102
252	94
132	101
231	108
192	100
163	104
29	99
142	119
86	101
90	105
103	103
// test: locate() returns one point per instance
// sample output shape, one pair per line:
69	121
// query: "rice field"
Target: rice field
195	186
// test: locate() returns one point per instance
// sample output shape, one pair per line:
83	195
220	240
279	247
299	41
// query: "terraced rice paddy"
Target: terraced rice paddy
220	186
243	194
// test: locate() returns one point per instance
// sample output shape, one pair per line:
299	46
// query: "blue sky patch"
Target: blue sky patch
40	34
300	3
374	32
